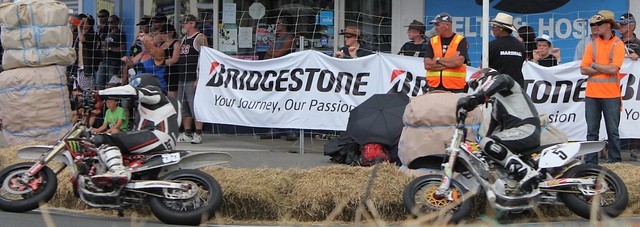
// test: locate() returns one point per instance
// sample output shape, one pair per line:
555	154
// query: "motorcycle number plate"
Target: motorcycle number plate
173	157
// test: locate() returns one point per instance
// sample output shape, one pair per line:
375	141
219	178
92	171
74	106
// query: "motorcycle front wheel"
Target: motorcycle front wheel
19	196
195	210
420	199
614	197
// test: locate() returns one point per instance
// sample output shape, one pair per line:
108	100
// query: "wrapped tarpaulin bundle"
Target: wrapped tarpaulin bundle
34	36
36	57
429	123
42	13
35	33
35	104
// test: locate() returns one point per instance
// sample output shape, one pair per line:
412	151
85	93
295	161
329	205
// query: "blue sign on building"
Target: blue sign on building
565	21
325	18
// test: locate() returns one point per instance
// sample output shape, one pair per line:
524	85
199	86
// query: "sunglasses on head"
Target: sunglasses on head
597	23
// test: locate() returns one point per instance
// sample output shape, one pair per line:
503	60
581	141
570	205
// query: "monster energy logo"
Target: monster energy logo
74	146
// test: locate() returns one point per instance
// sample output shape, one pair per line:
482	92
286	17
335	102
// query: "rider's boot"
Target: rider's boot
516	167
117	173
511	162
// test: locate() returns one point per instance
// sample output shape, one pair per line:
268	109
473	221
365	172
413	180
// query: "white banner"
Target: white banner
559	92
310	90
305	90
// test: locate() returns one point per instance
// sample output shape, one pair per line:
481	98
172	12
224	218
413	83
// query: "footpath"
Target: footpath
249	151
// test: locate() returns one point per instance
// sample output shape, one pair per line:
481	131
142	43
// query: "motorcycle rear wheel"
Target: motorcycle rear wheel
18	197
193	211
612	202
419	198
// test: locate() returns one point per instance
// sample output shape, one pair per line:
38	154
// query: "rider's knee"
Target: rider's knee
101	139
493	149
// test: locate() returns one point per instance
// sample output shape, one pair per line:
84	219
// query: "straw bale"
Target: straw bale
254	193
320	190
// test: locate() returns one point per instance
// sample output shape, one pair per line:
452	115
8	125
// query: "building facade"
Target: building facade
244	28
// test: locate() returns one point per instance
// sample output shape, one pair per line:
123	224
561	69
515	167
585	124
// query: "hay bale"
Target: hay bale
253	194
318	191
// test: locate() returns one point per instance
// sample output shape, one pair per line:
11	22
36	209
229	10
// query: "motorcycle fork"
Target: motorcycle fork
51	154
452	151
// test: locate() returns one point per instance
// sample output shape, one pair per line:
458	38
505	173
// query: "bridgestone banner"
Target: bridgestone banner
310	90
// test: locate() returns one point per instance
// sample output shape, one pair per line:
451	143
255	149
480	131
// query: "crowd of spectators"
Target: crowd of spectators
106	62
171	56
445	55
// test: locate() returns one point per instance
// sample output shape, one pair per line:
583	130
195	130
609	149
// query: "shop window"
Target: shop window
374	20
307	20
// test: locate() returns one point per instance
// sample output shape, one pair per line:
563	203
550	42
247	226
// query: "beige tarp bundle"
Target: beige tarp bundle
35	104
30	37
33	57
35	33
42	13
429	123
35	101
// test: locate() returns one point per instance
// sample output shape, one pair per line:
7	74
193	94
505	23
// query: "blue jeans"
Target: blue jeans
106	70
594	108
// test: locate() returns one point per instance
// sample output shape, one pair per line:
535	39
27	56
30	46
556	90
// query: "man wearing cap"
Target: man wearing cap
137	44
157	22
417	46
627	26
114	48
188	77
632	45
545	54
601	64
447	56
506	53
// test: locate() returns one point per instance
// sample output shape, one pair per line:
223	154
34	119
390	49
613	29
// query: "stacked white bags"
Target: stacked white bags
33	93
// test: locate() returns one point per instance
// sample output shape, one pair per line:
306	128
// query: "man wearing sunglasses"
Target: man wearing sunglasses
627	26
601	64
632	44
447	57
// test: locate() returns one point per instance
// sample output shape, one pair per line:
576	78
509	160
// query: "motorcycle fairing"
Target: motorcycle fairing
175	160
35	152
561	154
156	160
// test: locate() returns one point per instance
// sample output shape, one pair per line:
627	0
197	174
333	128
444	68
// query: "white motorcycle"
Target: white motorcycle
564	180
169	182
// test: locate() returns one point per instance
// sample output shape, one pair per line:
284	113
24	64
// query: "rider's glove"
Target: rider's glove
470	102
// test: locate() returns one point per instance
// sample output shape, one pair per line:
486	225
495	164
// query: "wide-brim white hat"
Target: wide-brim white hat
503	20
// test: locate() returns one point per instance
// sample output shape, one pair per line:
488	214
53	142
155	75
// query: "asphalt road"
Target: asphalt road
65	218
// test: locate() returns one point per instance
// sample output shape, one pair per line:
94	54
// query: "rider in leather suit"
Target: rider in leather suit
515	125
156	130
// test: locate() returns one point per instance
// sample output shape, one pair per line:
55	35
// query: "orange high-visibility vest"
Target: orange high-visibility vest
451	78
604	85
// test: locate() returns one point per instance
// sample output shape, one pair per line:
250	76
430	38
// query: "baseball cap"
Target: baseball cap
543	37
442	17
144	21
627	18
167	29
159	18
